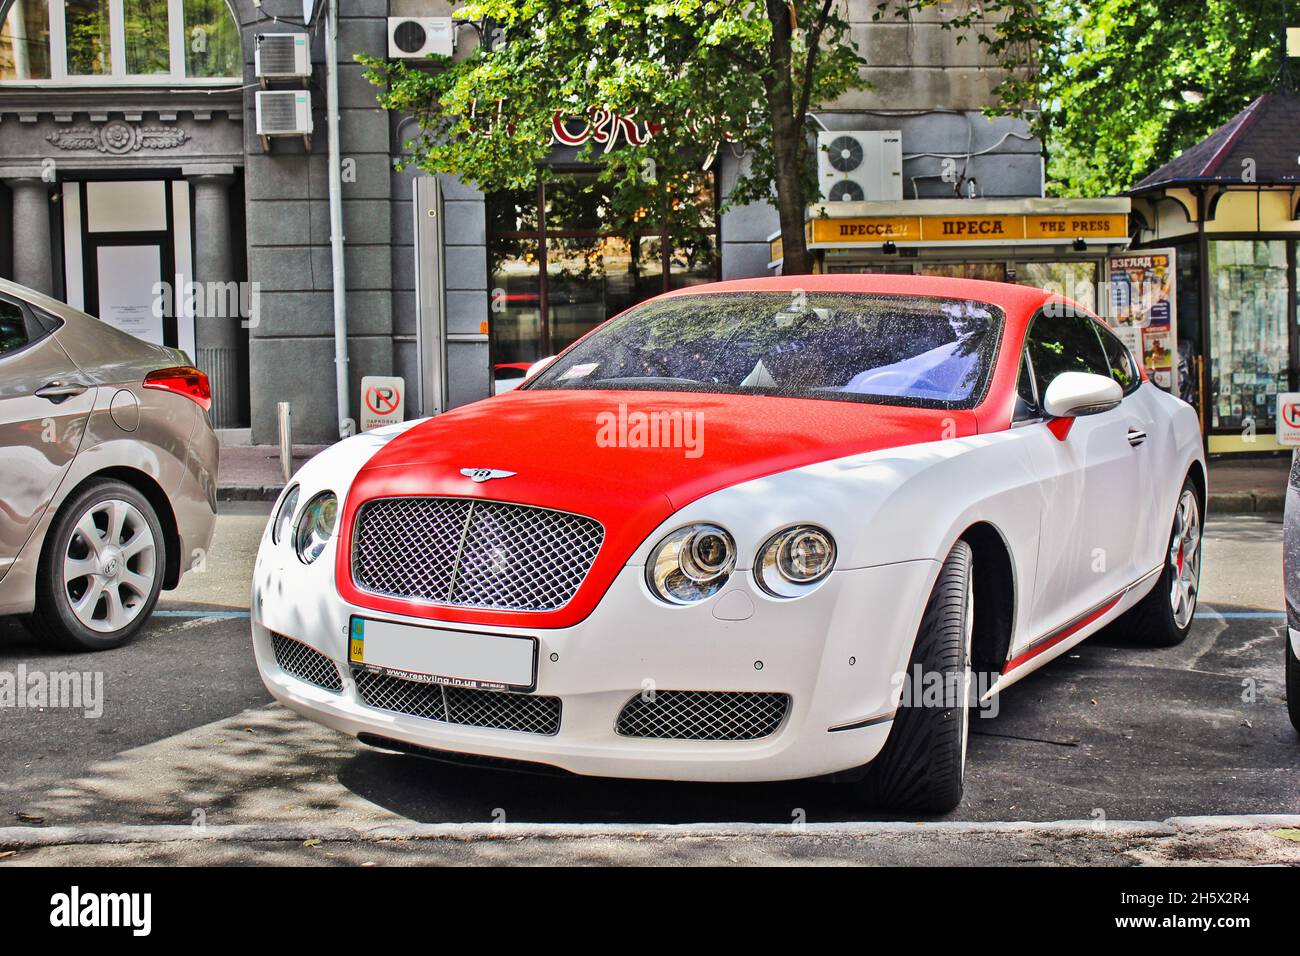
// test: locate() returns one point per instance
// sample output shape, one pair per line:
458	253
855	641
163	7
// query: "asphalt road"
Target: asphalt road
1111	732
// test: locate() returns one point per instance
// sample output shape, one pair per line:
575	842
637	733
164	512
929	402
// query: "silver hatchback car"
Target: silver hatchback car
108	470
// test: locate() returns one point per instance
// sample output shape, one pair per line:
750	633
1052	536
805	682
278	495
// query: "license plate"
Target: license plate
434	655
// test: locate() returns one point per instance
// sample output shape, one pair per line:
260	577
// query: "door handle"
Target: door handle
58	391
1136	436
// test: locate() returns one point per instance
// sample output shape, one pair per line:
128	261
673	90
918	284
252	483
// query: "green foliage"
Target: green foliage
707	71
1115	88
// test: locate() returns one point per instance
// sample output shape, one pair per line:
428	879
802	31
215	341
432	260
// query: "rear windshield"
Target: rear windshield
882	349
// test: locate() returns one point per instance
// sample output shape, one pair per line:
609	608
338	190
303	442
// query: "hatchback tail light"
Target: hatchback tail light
183	380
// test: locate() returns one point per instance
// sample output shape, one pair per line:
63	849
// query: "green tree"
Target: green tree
1115	88
705	75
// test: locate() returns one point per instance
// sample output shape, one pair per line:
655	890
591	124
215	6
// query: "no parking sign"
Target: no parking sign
383	401
1288	418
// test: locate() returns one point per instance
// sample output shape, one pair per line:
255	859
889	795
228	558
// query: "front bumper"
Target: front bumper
835	652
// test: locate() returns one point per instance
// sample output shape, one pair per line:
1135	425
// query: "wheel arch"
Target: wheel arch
995	597
154	494
1196	472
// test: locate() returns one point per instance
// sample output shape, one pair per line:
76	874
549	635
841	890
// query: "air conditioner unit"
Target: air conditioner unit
410	38
860	165
282	56
283	113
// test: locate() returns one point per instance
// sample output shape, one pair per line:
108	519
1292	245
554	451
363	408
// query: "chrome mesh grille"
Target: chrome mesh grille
305	663
464	552
703	715
495	710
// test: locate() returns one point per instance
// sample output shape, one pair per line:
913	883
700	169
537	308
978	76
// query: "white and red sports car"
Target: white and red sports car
742	532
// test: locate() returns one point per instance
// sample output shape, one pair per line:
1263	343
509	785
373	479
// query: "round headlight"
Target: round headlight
284	517
691	564
316	526
795	560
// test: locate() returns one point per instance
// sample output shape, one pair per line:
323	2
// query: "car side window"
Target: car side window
1026	397
1064	343
1123	368
17	328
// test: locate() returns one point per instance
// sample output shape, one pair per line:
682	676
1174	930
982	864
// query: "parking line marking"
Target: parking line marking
1266	615
227	614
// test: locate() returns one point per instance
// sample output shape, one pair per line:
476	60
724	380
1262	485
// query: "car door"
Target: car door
45	401
1093	482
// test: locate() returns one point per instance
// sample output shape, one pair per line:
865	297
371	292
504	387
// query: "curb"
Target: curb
100	834
1245	502
249	493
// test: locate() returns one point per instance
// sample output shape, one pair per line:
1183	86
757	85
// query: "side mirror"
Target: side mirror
1072	394
538	366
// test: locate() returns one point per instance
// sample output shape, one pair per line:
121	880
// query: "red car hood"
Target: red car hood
626	458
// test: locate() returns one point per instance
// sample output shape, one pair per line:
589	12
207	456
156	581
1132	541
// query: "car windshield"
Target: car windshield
882	349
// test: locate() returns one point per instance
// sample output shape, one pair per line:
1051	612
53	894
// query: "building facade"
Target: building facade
130	160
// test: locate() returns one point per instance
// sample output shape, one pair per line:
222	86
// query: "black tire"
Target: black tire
54	620
1292	685
1151	622
921	767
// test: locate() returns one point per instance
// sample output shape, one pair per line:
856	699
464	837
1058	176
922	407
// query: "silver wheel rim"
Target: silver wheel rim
1185	559
109	566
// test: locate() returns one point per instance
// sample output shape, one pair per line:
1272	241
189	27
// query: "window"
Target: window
1026	396
118	41
1123	368
1065	343
559	268
17	329
1249	349
878	349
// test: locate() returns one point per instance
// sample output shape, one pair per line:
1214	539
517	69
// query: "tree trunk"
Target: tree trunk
788	144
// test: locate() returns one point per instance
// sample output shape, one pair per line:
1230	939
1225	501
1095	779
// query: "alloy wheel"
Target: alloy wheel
1185	559
109	565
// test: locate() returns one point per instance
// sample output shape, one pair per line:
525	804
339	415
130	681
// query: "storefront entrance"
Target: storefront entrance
121	241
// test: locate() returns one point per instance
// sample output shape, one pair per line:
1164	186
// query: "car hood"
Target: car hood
578	449
629	459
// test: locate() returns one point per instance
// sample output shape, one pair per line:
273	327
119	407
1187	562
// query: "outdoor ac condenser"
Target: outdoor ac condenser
283	113
282	56
860	165
410	38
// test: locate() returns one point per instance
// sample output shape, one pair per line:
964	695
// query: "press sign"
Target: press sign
382	401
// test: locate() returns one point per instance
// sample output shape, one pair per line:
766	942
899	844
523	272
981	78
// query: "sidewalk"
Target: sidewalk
252	472
1237	486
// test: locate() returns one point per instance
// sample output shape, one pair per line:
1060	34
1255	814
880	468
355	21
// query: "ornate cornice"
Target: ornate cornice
117	137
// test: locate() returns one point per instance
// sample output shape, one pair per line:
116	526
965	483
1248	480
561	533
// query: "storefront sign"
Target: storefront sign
1082	226
858	231
968	228
1288	418
1143	311
383	401
940	230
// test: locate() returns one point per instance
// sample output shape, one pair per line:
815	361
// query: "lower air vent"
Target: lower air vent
703	715
495	710
298	660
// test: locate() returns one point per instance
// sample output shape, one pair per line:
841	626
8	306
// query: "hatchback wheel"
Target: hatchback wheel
101	569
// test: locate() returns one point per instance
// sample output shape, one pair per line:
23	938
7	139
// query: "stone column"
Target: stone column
33	254
216	336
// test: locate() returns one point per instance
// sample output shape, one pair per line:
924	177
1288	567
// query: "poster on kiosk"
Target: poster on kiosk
1143	311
